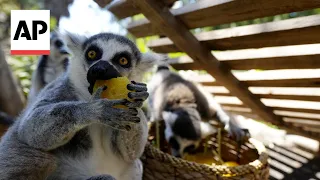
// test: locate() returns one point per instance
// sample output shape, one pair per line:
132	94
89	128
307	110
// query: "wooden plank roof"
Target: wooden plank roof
289	100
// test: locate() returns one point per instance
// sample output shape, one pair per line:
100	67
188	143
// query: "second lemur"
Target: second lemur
185	108
49	67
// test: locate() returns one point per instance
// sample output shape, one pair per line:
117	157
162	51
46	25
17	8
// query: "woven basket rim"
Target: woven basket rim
252	167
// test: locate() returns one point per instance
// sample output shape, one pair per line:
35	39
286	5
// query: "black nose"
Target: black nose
63	51
102	70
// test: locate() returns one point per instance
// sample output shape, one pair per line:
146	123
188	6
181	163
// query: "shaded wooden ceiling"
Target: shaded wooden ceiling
286	93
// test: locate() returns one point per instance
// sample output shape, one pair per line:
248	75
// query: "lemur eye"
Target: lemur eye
92	54
123	61
58	43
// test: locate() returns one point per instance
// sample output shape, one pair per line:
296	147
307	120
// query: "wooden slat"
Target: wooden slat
285	57
274	103
211	13
312	111
291	97
289	62
298	115
303	94
306	82
272	78
183	38
243	108
123	8
294	31
277	96
303	121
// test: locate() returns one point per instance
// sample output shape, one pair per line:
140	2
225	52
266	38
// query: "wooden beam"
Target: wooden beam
294	31
302	115
272	78
183	38
302	121
241	107
291	97
293	104
271	58
302	94
211	13
305	82
277	96
123	8
12	100
287	62
312	111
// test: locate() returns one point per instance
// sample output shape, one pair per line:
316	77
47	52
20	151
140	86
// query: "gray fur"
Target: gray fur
185	107
49	67
67	133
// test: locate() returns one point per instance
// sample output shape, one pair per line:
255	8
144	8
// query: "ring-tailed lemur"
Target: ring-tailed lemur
49	67
67	133
186	108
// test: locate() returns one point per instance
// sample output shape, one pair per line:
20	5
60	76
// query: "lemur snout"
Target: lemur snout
63	51
102	70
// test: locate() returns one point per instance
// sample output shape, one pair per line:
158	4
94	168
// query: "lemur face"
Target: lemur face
183	130
58	49
104	56
108	56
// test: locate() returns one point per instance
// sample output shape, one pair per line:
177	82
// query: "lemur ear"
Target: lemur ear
73	41
149	59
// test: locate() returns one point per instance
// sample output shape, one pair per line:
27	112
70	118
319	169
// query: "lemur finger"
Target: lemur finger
137	103
98	92
137	87
138	83
138	95
117	101
124	114
120	127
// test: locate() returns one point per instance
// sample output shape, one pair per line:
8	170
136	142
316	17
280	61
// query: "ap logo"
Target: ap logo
30	32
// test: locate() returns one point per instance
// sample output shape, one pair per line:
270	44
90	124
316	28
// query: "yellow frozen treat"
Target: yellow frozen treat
116	88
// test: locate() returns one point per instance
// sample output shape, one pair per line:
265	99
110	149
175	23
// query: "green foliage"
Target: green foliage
53	23
22	67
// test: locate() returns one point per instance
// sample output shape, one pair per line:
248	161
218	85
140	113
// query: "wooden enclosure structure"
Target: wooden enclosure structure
286	93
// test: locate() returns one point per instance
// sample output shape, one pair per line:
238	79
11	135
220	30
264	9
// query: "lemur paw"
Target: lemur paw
238	133
118	118
139	95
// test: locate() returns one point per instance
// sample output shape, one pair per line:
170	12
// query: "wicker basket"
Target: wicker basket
251	156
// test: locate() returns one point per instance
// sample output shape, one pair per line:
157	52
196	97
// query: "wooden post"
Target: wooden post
11	97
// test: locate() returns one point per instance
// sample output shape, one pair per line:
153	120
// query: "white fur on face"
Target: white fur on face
110	48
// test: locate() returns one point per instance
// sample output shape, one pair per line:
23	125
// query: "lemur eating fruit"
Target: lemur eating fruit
69	133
